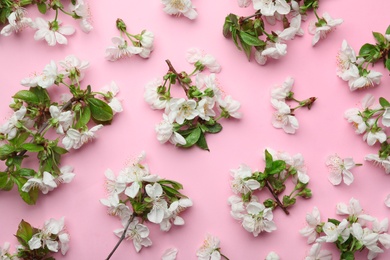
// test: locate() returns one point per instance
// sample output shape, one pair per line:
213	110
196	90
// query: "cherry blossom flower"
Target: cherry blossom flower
353	114
294	30
66	175
4	251
62	120
111	91
374	134
114	185
366	237
339	169
282	118
210	249
169	254
258	219
313	219
17	21
74	67
281	92
361	79
387	201
323	27
121	49
269	7
345	58
172	215
230	107
317	254
45	183
332	231
298	163
274	50
381	229
81	9
205	108
384	162
195	55
272	256
182	109
260	59
46	79
10	128
117	208
153	96
138	233
52	32
160	206
354	210
244	3
75	139
165	132
178	7
239	184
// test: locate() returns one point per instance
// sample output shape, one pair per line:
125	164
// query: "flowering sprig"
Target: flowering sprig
137	197
284	116
141	44
356	232
251	35
186	121
372	121
38	115
355	68
38	243
210	250
340	169
257	217
13	14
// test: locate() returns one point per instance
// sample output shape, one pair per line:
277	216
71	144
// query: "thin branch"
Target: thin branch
172	69
280	204
122	237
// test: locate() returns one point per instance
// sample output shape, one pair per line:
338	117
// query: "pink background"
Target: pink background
205	175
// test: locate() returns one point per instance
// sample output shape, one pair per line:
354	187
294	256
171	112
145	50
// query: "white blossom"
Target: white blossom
165	132
46	79
269	7
353	209
282	117
195	55
230	106
281	92
160	205
317	254
138	233
17	21
45	183
241	184
75	139
323	27
178	7
152	95
272	256
74	67
112	90
63	120
182	109
258	219
384	162
121	49
172	215
210	249
10	128
169	254
313	219
339	169
52	35
66	175
81	9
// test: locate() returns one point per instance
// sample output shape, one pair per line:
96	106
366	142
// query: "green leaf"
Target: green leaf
193	137
226	27
277	167
5	150
25	232
6	183
59	150
20	139
84	118
388	30
202	143
42	8
27	96
32	147
171	192
174	184
247	49
387	63
384	102
367	50
42	95
235	36
26	172
268	160
250	40
28	197
213	129
380	39
269	203
334	221
100	111
347	256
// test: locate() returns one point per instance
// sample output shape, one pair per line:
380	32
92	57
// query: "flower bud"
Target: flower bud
120	24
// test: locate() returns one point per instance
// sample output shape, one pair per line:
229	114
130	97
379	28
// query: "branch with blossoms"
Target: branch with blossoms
355	68
38	244
352	234
257	217
250	34
136	196
14	15
141	44
372	121
188	119
284	116
38	115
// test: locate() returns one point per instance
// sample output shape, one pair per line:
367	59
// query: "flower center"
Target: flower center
178	4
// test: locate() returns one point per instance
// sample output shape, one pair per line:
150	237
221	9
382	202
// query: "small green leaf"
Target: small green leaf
42	8
202	143
25	232
42	95
32	147
269	203
27	96
247	49
171	192
251	40
277	167
84	118
193	137
347	256
387	63
26	172
6	183
174	184
380	39
226	27
235	36
100	111
367	50
5	150
334	221
388	30
268	160
20	139
384	102
59	150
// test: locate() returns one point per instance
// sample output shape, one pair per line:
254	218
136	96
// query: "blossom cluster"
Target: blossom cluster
141	44
137	196
372	121
284	116
38	243
180	7
249	33
52	31
257	217
37	115
187	119
354	233
354	68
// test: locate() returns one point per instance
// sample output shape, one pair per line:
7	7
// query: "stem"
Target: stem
121	238
55	18
224	256
280	204
243	19
172	69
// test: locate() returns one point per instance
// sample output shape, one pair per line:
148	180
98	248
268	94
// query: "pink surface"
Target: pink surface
205	175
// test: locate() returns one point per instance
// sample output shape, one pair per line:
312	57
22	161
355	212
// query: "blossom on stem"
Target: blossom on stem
154	96
229	107
62	120
45	183
121	49
138	233
81	9
178	7
110	92
10	128
210	249
241	183
269	8
160	206
281	92
323	27
172	215
282	117
317	254
165	132
74	67
272	256
353	209
66	175
339	169
46	79
17	21
384	162
182	109
52	32
195	55
75	139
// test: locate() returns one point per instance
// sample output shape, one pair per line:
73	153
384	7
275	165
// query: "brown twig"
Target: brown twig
172	69
122	237
280	204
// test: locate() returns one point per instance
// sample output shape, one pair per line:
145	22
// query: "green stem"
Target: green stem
55	18
70	14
